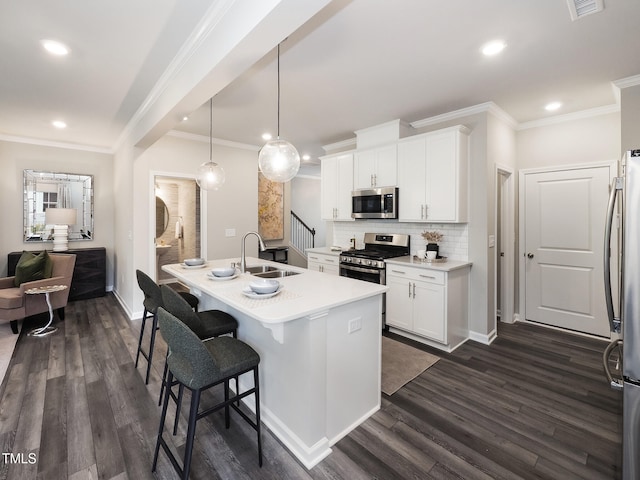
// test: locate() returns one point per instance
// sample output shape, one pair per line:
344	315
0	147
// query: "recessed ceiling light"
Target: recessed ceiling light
552	106
266	136
59	124
306	157
55	48
493	48
185	118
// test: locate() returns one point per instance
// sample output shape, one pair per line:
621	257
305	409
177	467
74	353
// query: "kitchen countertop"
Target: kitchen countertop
410	261
325	251
302	295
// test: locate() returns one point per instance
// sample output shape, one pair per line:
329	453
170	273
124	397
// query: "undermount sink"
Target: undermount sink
261	269
275	274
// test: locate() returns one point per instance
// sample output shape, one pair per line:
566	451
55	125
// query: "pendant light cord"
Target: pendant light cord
211	129
278	134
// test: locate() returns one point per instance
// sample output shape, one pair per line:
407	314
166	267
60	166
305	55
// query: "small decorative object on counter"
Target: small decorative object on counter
432	239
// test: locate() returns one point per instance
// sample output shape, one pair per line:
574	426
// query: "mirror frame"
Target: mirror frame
81	198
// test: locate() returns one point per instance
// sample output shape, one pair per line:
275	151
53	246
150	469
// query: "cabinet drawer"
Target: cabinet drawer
420	274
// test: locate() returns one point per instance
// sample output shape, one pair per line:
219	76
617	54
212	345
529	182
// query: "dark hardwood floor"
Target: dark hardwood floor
534	405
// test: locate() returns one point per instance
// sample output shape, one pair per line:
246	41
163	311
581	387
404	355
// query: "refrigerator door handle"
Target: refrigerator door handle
614	322
615	383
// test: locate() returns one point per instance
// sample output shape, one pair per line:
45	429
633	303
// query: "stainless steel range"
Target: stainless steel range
368	264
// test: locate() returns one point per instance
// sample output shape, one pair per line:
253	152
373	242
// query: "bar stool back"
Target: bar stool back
198	366
153	300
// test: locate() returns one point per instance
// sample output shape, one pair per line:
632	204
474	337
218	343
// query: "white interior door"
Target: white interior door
564	214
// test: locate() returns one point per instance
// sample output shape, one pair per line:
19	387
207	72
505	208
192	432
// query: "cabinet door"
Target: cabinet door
329	187
344	184
429	311
412	170
313	264
386	172
442	177
364	167
399	303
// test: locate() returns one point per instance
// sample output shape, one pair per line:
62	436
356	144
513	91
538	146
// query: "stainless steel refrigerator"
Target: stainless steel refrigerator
622	356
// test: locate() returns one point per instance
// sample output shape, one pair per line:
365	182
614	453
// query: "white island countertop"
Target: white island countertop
301	295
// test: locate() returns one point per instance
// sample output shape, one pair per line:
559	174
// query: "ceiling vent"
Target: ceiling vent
580	8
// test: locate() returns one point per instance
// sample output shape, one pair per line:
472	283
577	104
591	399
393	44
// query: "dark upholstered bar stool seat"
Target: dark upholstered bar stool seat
206	325
198	366
152	301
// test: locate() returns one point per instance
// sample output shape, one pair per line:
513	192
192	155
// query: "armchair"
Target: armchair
16	305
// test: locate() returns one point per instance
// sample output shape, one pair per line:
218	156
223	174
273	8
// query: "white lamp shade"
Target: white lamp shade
210	176
61	216
279	161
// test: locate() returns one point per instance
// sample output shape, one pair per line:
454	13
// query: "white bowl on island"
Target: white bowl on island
223	271
264	285
194	262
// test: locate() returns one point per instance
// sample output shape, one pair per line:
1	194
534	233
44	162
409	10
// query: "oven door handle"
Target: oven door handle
359	269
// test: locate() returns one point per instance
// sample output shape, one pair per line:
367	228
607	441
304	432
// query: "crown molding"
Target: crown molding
570	117
218	141
342	145
487	107
50	143
627	82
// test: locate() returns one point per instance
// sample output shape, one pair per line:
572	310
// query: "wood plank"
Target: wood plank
53	443
80	447
109	457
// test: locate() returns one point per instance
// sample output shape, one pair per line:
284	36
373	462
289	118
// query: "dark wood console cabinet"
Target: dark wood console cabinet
89	275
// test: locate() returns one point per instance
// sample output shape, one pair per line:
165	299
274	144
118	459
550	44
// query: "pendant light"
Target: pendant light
210	174
278	160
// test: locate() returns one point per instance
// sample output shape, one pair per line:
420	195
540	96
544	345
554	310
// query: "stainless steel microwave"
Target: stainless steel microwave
375	203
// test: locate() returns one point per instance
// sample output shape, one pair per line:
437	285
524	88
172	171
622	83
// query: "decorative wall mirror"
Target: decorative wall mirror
44	190
162	217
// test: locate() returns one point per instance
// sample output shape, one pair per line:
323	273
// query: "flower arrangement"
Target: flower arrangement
432	237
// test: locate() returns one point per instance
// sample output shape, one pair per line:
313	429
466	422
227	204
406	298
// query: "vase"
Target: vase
434	247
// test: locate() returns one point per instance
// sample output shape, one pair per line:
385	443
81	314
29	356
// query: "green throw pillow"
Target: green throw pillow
32	267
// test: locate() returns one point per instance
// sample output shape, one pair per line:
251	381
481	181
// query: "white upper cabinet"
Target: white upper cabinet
432	176
376	167
337	184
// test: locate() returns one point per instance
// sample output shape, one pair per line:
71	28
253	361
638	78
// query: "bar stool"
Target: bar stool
206	325
153	300
198	366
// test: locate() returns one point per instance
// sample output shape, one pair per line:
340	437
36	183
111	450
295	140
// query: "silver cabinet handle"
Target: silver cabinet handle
409	289
428	276
330	260
422	212
399	271
414	290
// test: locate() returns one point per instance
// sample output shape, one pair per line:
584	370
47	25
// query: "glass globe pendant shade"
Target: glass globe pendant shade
210	176
278	160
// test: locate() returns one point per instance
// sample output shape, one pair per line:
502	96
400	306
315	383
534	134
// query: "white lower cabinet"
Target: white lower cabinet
428	305
320	262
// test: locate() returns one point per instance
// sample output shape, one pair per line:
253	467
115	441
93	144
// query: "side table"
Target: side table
47	329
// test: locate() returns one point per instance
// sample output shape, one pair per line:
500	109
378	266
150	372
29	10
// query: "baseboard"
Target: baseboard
486	339
124	306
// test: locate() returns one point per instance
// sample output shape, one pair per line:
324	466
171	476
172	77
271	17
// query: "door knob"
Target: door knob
529	255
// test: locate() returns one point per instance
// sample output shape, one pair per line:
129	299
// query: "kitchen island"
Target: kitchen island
319	342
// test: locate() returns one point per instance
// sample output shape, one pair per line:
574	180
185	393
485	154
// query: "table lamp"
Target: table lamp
60	218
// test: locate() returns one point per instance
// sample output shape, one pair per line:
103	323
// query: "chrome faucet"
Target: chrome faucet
243	262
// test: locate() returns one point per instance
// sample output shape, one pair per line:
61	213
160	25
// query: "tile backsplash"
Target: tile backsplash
453	245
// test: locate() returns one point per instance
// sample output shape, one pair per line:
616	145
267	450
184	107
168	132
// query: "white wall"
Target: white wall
630	106
233	206
586	140
15	157
305	202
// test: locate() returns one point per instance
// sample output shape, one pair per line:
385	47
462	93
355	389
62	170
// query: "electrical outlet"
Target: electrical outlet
230	232
355	324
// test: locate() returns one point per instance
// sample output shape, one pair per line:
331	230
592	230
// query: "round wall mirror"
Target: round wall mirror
162	217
